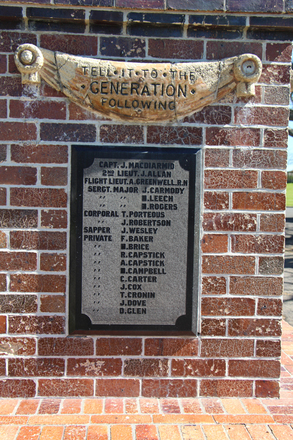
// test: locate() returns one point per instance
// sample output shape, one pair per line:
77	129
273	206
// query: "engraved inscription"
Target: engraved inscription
145	92
134	241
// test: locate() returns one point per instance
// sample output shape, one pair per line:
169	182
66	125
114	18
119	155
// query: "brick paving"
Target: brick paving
155	419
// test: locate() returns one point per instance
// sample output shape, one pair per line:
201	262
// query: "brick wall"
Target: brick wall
237	352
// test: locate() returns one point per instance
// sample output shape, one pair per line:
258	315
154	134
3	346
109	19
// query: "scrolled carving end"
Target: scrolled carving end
29	60
247	70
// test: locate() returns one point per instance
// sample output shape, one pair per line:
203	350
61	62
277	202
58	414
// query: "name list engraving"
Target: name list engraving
135	238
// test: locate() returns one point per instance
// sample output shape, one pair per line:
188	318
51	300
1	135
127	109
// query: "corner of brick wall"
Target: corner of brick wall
237	352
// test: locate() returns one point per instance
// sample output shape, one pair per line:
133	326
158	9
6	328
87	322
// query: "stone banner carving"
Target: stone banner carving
144	92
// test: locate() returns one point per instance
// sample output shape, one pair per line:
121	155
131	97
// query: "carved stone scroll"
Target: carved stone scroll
144	92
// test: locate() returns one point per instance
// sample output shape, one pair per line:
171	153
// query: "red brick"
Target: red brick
227	306
275	74
49	406
38	325
66	387
77	432
272	222
275	138
36	367
267	388
49	92
54	218
227	348
18	176
18	218
254	368
229	222
2	196
254	327
38	240
94	367
43	197
260	201
220	49
39	153
214	243
224	179
18	346
17	131
3	63
2	282
11	40
146	432
117	387
277	116
3	240
228	264
146	367
198	367
226	388
269	307
169	388
78	113
38	283
125	134
3	324
67	132
256	286
259	158
56	176
18	261
118	346
213	115
233	136
65	346
11	388
180	49
37	109
260	244
276	96
52	303
271	265
171	347
213	286
182	135
268	348
18	303
10	86
53	262
3	107
215	157
216	200
13	69
72	44
279	52
27	407
274	179
3	153
2	367
213	327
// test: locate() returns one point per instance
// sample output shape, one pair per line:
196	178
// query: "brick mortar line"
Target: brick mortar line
39	5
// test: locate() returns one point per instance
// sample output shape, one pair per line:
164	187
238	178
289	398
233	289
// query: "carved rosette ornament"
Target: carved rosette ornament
142	92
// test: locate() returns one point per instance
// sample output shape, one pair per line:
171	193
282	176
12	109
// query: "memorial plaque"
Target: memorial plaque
134	238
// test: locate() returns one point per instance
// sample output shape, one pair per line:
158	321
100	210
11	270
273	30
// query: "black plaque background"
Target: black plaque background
82	157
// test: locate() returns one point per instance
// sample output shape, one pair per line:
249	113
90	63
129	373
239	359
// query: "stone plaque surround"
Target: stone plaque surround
134	239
